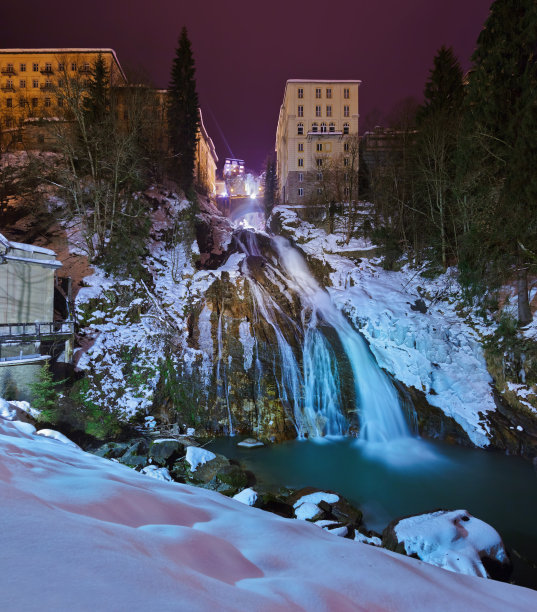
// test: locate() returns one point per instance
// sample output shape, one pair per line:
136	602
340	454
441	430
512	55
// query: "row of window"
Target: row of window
346	191
331	128
34	102
319	162
322	147
346	177
35	84
318	110
10	68
318	92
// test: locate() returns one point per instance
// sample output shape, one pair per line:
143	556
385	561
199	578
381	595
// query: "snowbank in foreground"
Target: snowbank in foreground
83	533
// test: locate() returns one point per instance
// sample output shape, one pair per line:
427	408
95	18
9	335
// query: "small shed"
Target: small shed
27	327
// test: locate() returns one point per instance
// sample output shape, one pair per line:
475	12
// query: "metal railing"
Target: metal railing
10	331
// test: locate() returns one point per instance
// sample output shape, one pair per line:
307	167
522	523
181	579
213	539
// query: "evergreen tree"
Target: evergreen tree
435	150
183	114
271	186
97	102
499	155
444	90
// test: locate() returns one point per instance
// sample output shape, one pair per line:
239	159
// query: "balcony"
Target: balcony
8	71
47	71
8	88
48	86
84	70
10	332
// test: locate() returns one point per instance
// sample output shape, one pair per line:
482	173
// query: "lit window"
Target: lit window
346	146
319	162
300	177
314	127
35	67
332	127
323	128
318	111
300	92
300	110
47	102
35	83
318	92
319	146
345	128
329	111
22	67
300	162
22	84
9	102
300	129
300	146
346	111
301	191
346	93
328	93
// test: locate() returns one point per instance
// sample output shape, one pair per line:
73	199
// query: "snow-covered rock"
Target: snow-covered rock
307	511
315	498
153	471
453	540
56	435
196	456
246	496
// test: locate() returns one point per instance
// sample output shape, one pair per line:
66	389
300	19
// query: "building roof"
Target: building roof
9	245
68	50
323	81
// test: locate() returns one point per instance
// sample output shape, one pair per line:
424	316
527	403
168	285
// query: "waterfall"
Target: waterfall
222	383
308	381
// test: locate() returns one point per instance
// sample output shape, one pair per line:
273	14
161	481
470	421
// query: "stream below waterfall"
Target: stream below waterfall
408	477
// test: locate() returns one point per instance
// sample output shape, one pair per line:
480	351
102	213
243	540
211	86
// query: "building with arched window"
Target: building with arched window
305	141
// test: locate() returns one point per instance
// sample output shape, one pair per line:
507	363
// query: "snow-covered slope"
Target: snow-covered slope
83	533
437	352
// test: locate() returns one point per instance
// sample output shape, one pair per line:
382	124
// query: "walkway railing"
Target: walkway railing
16	331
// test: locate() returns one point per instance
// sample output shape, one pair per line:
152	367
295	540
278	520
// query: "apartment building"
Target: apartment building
317	118
31	86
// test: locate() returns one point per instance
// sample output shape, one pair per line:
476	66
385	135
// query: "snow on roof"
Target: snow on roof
323	81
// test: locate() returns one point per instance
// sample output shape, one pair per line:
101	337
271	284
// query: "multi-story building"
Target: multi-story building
32	86
317	117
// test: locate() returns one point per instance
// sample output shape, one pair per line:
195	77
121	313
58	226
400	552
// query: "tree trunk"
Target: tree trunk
524	311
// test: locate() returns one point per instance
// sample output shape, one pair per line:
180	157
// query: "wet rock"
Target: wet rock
250	443
207	471
137	454
112	450
419	306
233	476
277	504
165	452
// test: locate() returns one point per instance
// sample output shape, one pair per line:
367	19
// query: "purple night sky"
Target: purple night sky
245	51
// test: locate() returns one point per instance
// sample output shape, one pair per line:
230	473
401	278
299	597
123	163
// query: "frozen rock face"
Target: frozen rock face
453	540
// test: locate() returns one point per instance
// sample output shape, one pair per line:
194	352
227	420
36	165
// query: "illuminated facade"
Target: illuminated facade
206	160
316	118
233	167
32	85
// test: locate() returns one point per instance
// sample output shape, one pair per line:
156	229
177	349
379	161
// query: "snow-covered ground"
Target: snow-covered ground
83	533
437	352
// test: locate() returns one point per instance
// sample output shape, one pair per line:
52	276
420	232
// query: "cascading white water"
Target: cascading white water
222	383
381	417
310	390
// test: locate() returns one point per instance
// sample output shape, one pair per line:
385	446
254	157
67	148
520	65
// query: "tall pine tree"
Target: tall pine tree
435	147
183	114
499	156
271	186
